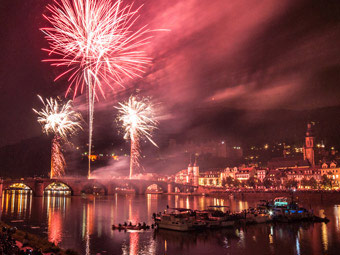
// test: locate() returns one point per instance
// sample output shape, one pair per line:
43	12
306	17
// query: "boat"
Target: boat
216	218
199	224
283	209
179	219
258	218
130	227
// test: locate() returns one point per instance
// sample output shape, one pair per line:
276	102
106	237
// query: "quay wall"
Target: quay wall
301	196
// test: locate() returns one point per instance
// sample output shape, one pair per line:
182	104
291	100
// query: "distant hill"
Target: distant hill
31	157
257	126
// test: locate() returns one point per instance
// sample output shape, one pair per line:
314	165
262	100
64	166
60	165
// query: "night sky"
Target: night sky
220	62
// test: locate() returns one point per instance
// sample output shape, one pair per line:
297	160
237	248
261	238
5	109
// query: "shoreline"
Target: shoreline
302	196
36	242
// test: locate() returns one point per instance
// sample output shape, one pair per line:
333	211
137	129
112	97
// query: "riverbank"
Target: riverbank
36	242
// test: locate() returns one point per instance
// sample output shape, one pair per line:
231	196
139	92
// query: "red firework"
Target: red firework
94	41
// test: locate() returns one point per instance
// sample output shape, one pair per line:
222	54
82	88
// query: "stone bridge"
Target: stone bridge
79	185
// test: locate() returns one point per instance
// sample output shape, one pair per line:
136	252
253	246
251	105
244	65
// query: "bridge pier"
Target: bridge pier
111	190
76	191
170	188
39	188
1	185
140	190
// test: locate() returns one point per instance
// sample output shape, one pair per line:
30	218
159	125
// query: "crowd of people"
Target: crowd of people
9	246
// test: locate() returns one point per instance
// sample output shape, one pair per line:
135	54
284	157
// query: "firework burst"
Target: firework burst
94	42
138	121
61	121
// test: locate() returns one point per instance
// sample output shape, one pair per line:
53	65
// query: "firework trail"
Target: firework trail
58	162
94	42
137	119
61	121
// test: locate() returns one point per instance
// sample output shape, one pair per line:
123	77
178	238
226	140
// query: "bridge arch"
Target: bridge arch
155	188
94	188
18	186
58	188
38	186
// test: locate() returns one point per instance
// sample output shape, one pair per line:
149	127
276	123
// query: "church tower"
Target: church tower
308	150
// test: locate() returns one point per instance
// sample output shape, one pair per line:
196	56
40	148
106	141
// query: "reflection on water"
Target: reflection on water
56	206
84	223
297	243
337	217
18	203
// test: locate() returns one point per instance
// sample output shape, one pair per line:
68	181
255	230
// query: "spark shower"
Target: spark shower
61	121
137	117
92	41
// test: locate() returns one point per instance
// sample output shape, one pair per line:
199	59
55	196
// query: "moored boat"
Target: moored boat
175	219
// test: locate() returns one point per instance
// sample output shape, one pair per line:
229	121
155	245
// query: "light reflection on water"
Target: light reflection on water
84	223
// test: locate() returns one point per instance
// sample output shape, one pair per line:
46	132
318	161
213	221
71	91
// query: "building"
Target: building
332	172
245	173
189	175
312	173
283	163
260	174
274	175
182	176
210	178
229	172
296	174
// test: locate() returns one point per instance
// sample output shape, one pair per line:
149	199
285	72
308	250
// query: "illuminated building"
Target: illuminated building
299	174
274	175
260	174
189	175
245	173
210	178
229	172
332	172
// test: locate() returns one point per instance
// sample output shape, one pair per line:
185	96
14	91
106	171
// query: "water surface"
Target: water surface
84	224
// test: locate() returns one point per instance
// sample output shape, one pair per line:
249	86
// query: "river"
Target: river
84	224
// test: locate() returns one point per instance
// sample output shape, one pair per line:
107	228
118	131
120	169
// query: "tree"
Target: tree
229	181
304	182
313	183
236	183
251	182
326	182
291	184
267	183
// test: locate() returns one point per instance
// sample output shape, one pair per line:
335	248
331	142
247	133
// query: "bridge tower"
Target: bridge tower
190	173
